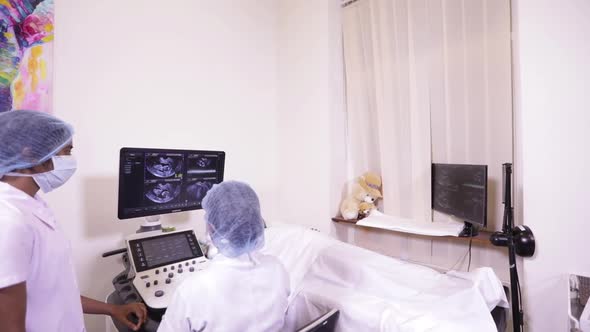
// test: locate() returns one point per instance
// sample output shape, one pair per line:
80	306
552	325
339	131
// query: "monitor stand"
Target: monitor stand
469	230
151	223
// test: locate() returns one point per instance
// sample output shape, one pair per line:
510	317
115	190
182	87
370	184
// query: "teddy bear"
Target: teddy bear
365	209
372	183
364	190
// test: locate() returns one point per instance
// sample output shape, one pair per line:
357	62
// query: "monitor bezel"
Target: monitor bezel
120	209
485	215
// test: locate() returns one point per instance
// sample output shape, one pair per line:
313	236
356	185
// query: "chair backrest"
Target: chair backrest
324	323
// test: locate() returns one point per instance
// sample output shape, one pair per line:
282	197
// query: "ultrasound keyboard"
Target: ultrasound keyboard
160	261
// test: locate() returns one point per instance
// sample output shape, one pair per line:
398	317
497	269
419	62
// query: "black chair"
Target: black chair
324	323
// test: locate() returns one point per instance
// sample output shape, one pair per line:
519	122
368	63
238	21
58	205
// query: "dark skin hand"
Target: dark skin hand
13	308
121	314
118	312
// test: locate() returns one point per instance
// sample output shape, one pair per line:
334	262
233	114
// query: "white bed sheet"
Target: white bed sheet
376	292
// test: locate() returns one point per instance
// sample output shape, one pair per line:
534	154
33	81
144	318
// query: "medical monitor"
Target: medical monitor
164	249
160	181
462	191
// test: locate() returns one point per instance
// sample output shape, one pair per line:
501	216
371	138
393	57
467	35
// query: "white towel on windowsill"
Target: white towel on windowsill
440	228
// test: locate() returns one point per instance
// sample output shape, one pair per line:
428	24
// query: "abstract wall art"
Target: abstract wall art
26	55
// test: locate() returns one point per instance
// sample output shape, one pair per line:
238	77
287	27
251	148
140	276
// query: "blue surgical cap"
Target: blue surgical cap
232	212
29	138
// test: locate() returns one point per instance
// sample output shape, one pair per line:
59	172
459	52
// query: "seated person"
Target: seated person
241	289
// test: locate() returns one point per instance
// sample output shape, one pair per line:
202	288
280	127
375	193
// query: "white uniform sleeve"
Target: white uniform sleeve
16	249
176	318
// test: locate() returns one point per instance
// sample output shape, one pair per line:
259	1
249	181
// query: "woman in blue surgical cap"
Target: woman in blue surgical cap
38	287
241	290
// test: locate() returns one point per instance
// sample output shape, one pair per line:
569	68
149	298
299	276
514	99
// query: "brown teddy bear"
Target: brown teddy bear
366	189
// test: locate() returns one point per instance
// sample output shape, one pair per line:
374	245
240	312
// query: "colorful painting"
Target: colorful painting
26	55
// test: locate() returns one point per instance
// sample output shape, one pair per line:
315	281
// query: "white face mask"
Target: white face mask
63	169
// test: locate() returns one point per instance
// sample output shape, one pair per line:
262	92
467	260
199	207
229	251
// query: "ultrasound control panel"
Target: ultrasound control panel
161	262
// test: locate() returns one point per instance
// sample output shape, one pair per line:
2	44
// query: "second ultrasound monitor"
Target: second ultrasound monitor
157	181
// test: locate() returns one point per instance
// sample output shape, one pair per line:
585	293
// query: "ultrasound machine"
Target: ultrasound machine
157	259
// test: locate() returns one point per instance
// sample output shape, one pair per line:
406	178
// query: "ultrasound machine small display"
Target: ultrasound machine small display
158	251
156	181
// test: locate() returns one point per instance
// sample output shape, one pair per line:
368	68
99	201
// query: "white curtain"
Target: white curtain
385	48
427	81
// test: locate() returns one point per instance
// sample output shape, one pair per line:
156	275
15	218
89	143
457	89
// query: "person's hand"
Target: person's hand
122	314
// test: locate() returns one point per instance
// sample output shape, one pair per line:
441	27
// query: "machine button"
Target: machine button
157	271
186	264
168	280
180	266
172	267
147	284
155	282
192	269
170	275
159	293
194	262
165	269
180	270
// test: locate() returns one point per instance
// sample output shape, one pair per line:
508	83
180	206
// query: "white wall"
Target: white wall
553	76
311	119
184	74
210	76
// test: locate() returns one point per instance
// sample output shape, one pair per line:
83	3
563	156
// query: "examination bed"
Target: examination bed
378	293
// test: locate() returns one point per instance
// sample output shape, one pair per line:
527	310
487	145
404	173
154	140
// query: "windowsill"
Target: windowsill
483	238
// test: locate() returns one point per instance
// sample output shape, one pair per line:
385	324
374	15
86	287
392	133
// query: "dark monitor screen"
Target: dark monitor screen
158	181
461	191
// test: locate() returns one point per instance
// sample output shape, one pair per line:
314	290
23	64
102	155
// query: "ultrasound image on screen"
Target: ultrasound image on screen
202	165
162	192
164	166
196	191
155	181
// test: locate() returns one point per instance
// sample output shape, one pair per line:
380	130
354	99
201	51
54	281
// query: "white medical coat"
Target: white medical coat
33	249
231	295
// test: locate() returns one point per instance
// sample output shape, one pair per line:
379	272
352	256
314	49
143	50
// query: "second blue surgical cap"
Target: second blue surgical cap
29	138
233	214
